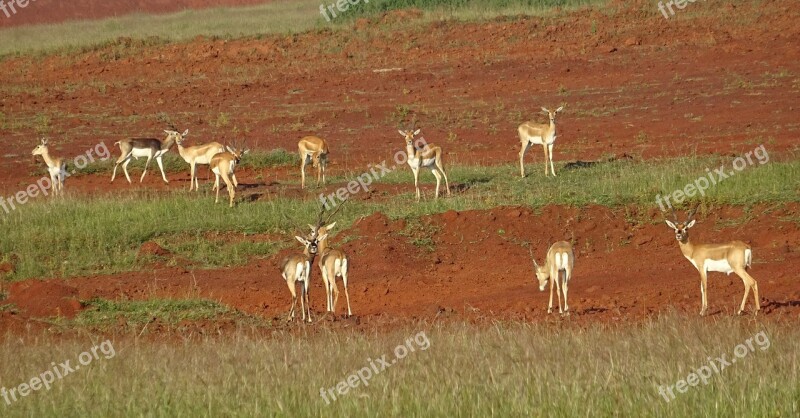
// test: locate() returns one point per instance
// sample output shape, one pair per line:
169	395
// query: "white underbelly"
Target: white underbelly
538	140
721	266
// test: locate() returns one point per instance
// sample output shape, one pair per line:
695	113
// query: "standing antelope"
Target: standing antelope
198	154
539	134
222	165
314	150
297	268
731	257
559	258
333	263
146	147
56	166
428	156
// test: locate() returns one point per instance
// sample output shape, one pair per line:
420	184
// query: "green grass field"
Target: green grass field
94	241
494	369
279	17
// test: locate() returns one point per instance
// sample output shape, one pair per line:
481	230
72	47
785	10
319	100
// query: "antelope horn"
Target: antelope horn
691	214
530	251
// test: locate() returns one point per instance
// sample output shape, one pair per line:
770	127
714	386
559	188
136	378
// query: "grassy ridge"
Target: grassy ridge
102	235
506	369
278	17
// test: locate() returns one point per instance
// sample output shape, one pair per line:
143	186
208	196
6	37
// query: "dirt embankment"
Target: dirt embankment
476	264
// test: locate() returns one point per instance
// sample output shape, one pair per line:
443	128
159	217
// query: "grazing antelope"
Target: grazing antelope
297	268
559	258
56	166
539	134
429	156
198	154
333	263
145	147
731	257
222	165
312	150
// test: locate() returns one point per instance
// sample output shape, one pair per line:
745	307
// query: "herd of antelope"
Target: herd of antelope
731	257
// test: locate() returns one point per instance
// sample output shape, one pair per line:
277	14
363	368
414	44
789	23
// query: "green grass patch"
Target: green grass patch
174	163
101	235
502	369
278	17
102	312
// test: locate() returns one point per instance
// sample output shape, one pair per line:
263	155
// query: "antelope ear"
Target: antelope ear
690	224
544	109
329	227
322	238
167	132
417	131
671	225
229	149
313	228
401	132
560	109
186	132
302	240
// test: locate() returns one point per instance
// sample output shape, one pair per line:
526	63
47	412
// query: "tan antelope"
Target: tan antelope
198	155
539	134
145	147
297	268
333	263
427	156
223	165
559	258
731	257
313	150
56	166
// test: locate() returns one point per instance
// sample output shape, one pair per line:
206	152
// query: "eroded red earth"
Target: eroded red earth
632	81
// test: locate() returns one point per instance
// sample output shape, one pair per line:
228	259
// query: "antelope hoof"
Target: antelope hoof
549	310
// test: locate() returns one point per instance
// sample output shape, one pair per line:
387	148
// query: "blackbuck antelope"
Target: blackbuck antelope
222	165
427	156
539	134
297	268
146	147
56	166
559	258
313	150
198	155
731	257
333	263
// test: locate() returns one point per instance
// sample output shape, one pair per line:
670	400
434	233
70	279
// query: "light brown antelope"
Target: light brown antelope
333	263
198	155
559	258
731	257
145	147
427	156
56	166
223	165
313	150
297	268
531	133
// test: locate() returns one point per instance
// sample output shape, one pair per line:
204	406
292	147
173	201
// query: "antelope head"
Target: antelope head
552	113
41	148
682	228
174	135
